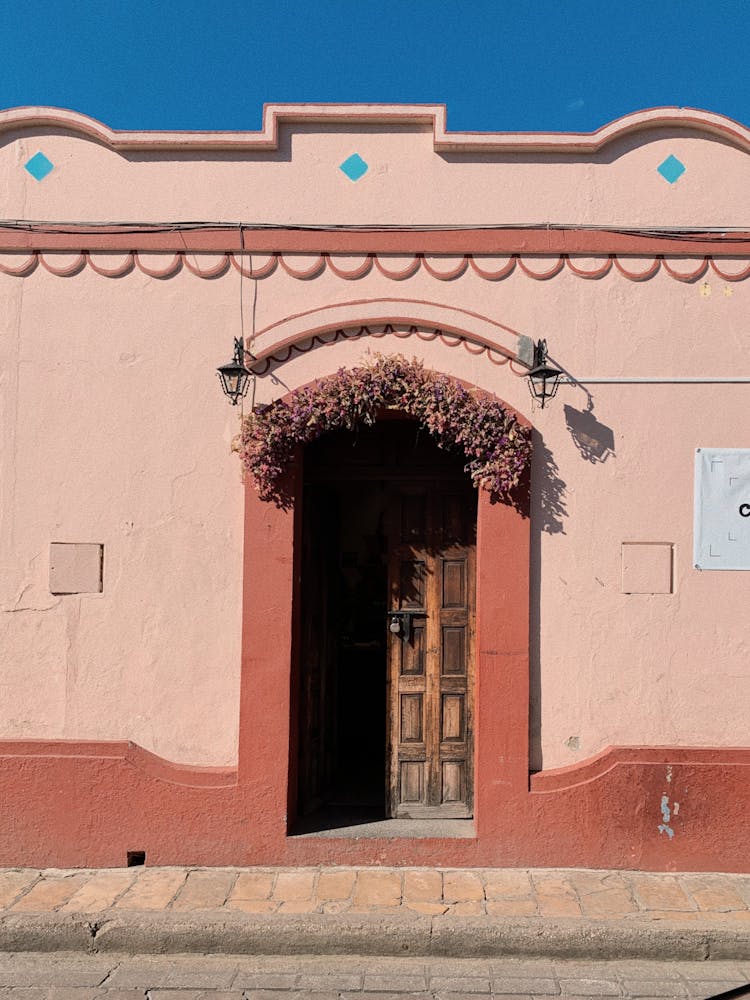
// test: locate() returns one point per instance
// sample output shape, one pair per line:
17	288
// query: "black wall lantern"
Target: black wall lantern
235	377
543	378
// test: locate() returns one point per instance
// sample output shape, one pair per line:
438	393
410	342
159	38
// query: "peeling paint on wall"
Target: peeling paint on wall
666	812
666	816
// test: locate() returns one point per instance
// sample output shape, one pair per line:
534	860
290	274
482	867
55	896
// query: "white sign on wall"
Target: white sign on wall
721	538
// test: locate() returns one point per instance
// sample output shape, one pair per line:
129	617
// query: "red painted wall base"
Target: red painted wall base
87	804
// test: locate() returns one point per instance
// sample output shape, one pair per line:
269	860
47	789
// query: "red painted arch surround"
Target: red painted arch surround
78	803
502	686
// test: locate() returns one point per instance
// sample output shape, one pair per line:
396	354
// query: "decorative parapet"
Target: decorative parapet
420	116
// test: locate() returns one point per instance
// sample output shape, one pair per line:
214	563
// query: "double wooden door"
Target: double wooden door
431	650
386	650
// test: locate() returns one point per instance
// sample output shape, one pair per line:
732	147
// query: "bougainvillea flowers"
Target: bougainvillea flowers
497	447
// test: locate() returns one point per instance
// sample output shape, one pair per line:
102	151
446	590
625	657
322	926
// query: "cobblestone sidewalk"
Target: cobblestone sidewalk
717	899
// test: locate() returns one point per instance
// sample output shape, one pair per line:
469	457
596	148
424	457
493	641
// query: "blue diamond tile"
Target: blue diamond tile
39	166
671	169
354	167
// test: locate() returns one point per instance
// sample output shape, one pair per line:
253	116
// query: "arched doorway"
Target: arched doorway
387	624
292	748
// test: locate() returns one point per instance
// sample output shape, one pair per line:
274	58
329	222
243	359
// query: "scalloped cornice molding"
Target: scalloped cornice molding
446	267
431	116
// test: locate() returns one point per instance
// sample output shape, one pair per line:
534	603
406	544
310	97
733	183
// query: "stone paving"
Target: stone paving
700	899
240	977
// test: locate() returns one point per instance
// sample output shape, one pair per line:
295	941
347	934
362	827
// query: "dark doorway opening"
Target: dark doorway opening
351	518
344	606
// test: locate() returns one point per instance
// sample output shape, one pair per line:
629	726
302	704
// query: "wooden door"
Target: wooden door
431	673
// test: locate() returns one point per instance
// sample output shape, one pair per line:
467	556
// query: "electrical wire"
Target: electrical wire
658	380
707	233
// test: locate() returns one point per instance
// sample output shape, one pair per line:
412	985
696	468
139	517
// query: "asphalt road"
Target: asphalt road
68	976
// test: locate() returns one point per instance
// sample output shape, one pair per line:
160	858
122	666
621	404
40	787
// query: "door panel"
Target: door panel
454	583
412	654
431	572
412	718
453	650
452	718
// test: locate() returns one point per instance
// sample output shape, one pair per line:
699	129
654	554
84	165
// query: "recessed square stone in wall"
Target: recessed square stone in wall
646	568
721	537
75	568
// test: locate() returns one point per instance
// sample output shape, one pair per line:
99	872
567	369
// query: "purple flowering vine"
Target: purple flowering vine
497	447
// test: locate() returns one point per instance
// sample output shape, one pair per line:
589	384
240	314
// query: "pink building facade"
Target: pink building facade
177	654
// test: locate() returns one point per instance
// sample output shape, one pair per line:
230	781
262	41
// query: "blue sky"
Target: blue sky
524	65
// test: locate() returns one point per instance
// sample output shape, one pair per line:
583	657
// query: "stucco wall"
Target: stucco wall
413	176
109	438
114	430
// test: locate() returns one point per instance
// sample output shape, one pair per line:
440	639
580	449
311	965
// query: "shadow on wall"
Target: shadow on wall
595	443
594	440
547	490
548	513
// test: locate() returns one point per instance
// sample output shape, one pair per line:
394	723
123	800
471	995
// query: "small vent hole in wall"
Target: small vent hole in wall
136	858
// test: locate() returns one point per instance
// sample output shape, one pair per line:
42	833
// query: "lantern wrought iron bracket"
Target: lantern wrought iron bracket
235	376
544	378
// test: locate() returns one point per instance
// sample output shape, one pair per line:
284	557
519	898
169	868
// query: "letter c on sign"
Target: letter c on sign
745	510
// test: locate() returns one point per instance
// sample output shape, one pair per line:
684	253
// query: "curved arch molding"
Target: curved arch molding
401	317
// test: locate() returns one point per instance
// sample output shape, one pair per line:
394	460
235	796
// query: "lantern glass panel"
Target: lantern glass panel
235	379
